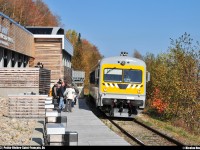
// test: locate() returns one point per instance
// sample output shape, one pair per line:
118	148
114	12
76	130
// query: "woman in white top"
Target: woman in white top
70	95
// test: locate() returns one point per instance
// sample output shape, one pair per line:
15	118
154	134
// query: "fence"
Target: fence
22	80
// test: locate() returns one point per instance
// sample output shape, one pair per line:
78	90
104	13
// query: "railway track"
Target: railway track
136	132
143	135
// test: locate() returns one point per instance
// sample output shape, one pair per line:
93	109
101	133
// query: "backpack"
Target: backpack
76	90
52	91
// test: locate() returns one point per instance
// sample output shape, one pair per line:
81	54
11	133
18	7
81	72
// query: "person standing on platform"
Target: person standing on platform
76	95
58	88
61	91
54	90
70	95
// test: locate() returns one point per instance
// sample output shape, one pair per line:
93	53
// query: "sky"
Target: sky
114	26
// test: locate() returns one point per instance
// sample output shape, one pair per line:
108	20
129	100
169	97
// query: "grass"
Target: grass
179	133
110	126
169	128
148	123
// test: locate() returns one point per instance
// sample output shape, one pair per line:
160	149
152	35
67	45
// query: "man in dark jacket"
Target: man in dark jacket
61	91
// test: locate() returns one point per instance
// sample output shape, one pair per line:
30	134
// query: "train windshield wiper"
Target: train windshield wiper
110	70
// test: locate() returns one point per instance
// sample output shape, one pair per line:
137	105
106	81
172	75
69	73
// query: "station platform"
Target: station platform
91	130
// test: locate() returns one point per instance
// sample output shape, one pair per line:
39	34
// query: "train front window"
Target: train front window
112	75
133	76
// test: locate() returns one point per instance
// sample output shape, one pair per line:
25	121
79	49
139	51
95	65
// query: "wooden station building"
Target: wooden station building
21	48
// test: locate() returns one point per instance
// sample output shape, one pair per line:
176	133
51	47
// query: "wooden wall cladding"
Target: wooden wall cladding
50	54
26	77
23	40
17	77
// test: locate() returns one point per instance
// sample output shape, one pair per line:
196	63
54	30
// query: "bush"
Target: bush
174	88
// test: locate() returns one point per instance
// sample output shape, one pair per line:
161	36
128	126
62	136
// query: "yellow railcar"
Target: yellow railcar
118	85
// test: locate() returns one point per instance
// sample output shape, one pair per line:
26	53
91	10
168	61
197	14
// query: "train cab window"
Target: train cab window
112	75
133	76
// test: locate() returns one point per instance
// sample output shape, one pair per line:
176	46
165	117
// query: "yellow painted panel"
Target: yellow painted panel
115	89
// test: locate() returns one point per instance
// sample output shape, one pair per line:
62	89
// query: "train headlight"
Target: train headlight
105	89
128	101
139	91
123	63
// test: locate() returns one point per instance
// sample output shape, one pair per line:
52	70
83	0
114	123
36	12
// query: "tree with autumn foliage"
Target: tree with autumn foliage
137	54
86	55
78	62
29	12
72	36
92	56
173	92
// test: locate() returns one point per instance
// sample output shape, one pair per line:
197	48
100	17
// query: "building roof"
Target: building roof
45	30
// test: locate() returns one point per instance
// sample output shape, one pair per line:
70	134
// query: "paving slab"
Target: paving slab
38	134
91	130
55	128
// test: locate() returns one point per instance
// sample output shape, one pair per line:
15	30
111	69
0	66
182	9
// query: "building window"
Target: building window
25	61
13	62
1	57
19	60
5	58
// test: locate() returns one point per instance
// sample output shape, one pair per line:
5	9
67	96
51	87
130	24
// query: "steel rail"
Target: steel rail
127	134
170	139
140	123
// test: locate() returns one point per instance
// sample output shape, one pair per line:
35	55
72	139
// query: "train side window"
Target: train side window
98	72
97	76
97	81
92	77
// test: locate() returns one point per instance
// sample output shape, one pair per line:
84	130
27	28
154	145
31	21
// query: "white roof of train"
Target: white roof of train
118	59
